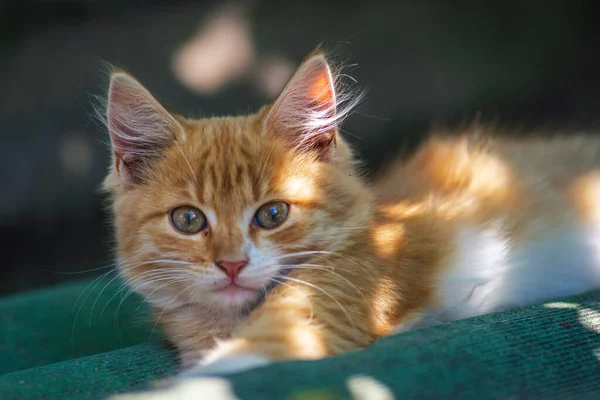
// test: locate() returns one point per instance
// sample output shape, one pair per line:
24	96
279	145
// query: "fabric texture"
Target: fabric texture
549	351
69	321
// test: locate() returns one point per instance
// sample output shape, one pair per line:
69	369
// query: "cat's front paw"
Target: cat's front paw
227	357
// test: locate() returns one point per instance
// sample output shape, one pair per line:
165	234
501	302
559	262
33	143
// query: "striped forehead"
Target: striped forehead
232	164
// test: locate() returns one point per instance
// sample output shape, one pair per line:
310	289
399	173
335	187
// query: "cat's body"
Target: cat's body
470	224
523	217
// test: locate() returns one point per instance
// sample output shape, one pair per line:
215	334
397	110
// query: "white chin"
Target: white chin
235	297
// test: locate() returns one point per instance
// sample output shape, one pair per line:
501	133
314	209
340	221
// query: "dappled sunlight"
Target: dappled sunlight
387	239
308	342
561	304
404	210
589	319
363	387
300	188
301	334
220	52
211	388
383	304
451	166
584	193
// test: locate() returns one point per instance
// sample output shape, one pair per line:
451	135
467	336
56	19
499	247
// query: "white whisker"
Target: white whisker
86	288
169	282
165	309
133	284
98	297
123	286
322	291
129	282
302	253
323	268
79	272
312	314
97	280
194	176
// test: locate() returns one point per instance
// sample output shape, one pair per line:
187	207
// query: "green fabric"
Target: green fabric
70	321
546	351
92	377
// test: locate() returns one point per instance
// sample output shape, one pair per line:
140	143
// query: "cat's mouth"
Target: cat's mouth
234	293
233	287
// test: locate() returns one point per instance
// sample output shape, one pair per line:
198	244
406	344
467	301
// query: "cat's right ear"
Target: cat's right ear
306	113
140	128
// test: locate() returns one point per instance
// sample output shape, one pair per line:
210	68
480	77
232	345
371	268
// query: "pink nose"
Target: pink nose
232	268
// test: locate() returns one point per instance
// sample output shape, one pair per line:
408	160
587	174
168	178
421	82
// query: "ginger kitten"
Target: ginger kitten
213	214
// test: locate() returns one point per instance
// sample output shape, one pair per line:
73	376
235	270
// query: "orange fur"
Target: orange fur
379	252
407	241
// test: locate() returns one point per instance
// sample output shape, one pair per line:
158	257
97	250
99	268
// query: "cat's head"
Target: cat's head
214	211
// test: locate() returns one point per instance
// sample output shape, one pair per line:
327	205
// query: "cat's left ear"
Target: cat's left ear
140	127
305	114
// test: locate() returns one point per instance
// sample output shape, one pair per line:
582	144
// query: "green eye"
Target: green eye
271	215
187	219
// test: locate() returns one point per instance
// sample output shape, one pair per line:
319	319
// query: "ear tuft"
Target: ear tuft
140	128
308	112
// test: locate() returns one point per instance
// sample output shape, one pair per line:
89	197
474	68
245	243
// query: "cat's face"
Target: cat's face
214	212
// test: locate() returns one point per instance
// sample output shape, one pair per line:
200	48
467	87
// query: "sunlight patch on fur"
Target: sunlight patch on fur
383	298
387	238
309	340
300	187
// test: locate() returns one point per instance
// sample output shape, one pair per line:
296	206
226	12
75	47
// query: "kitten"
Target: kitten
212	213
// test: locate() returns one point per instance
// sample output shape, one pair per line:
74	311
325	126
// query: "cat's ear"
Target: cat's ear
305	114
140	128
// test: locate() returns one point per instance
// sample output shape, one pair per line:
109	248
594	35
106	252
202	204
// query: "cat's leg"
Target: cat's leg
299	322
194	331
265	338
296	321
286	326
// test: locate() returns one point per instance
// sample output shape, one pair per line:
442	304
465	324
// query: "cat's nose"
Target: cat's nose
232	268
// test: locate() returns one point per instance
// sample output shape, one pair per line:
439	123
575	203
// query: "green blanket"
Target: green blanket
56	344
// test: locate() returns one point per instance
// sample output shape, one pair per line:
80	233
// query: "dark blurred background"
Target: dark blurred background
523	63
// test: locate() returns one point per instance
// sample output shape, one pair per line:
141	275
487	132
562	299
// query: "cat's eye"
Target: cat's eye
271	215
188	220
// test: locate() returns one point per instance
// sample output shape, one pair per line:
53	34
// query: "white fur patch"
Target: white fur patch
492	273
